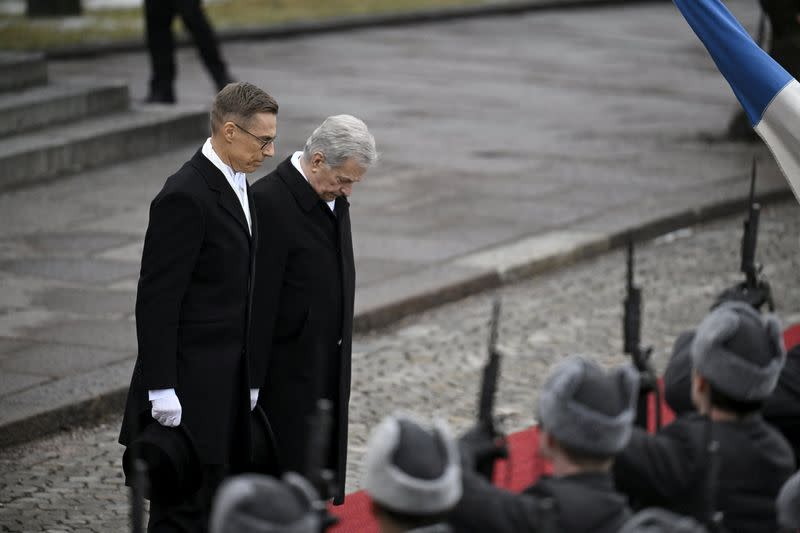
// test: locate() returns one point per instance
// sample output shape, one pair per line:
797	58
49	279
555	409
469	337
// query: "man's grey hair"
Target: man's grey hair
342	137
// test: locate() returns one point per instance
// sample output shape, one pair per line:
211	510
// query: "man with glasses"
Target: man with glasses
194	299
305	286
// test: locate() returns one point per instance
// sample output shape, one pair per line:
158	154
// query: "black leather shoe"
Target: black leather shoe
160	97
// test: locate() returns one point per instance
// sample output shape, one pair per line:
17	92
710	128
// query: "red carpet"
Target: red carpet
523	467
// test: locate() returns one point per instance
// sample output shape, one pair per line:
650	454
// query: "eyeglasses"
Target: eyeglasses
264	143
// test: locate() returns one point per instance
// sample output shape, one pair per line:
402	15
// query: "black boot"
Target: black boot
160	96
161	92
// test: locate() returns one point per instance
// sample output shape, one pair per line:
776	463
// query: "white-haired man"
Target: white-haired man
305	287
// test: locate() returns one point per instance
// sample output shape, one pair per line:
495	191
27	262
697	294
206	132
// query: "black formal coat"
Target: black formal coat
580	503
193	307
303	313
671	470
781	409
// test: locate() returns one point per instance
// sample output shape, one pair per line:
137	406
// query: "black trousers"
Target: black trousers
159	15
190	515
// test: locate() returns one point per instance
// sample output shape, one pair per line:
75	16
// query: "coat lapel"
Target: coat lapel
253	222
227	198
307	199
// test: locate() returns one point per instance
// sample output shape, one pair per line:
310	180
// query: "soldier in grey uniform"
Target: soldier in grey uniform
586	418
737	356
413	476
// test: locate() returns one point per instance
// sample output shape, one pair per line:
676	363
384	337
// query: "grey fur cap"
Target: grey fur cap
254	503
729	370
395	489
788	503
655	520
581	426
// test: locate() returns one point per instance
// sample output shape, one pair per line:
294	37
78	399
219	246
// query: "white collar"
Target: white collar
236	179
296	162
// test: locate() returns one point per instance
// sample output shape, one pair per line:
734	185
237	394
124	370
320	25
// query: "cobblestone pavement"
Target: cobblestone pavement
431	363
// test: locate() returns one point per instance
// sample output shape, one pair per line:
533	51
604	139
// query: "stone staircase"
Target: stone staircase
53	128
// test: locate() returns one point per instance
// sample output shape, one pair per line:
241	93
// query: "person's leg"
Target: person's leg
197	24
161	46
783	46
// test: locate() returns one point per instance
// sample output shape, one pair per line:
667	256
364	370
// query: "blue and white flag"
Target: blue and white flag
769	95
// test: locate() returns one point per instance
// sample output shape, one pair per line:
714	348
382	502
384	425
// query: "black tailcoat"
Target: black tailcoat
303	313
193	307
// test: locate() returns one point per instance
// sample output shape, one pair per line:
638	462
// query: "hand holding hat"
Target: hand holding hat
167	410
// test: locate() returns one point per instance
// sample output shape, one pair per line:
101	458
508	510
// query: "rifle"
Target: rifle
754	281
641	356
491	372
316	471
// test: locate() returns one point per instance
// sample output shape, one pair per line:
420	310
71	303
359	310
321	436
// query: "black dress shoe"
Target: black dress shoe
160	97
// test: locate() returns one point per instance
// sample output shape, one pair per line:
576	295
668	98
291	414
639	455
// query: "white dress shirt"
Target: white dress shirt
237	180
296	162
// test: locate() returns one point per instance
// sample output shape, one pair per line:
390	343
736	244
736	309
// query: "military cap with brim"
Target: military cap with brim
739	351
173	466
588	409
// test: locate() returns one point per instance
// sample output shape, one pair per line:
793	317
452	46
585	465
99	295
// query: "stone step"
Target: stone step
60	102
144	130
20	70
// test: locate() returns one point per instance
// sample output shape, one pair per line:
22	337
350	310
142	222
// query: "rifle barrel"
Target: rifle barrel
494	325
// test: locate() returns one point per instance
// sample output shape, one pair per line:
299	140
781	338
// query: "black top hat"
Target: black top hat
263	447
172	463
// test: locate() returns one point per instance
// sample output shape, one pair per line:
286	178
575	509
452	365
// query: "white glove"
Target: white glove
253	398
166	407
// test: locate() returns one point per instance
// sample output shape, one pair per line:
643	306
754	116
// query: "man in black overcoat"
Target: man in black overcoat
193	303
305	287
585	417
737	356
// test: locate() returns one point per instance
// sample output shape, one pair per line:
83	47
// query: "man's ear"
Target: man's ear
317	160
702	383
228	131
